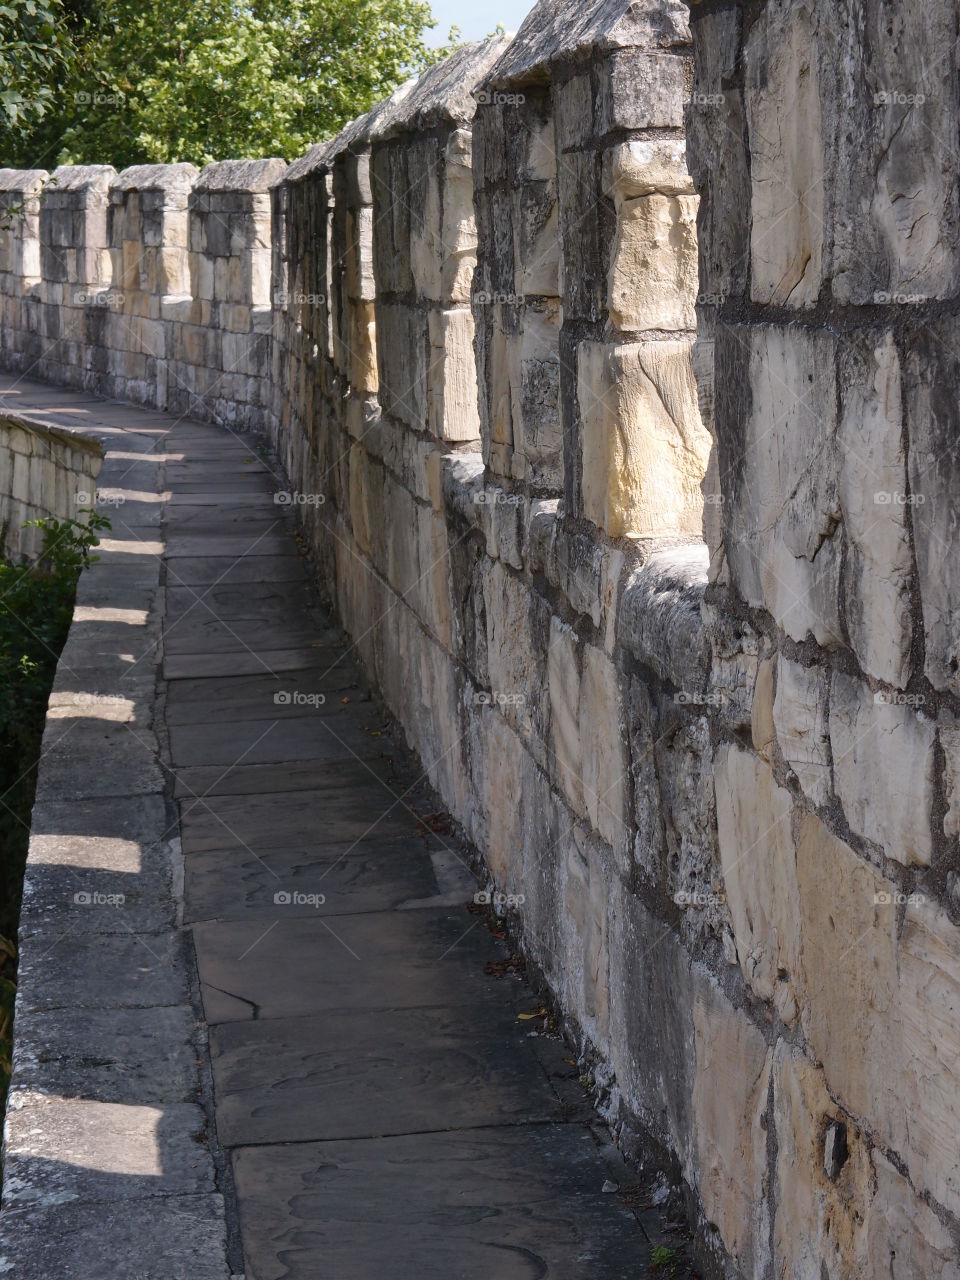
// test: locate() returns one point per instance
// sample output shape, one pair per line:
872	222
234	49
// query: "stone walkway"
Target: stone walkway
385	1104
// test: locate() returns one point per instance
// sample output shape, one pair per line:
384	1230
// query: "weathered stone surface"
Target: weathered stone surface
883	761
730	1124
776	426
930	367
786	155
644	446
758	859
848	921
873	496
800	723
653	273
819	1219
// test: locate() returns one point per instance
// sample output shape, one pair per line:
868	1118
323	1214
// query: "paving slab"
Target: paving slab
316	738
264	538
267	601
295	817
334	781
119	1150
379	960
515	1203
105	970
255	697
209	567
360	1075
241	662
134	1057
369	875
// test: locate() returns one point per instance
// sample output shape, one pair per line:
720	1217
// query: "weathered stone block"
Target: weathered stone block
452	376
730	1121
776	419
760	878
873	494
800	721
653	274
883	762
786	155
641	90
644	447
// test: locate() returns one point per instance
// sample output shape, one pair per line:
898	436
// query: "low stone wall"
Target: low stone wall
671	624
43	472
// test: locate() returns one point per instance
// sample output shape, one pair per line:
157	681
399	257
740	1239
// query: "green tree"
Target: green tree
35	51
201	80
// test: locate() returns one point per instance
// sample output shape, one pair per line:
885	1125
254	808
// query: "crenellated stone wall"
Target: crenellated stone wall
152	285
648	543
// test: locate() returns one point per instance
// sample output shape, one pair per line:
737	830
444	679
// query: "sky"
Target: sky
476	18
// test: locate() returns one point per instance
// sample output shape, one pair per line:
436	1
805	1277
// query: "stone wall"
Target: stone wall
152	285
43	472
671	626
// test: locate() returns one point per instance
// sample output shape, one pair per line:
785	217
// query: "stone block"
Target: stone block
820	1214
603	748
758	860
452	376
883	766
776	420
644	446
402	354
785	126
642	90
730	1121
874	497
800	722
654	272
931	368
892	134
563	676
848	918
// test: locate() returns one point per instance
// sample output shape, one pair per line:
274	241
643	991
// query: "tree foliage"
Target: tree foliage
200	80
35	50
